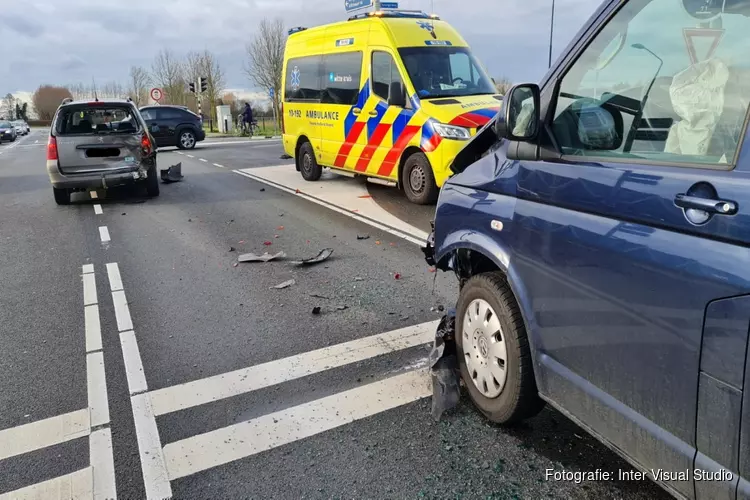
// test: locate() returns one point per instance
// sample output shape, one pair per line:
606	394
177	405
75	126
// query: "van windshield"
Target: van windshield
445	72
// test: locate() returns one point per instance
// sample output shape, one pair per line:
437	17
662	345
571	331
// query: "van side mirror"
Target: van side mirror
519	118
396	95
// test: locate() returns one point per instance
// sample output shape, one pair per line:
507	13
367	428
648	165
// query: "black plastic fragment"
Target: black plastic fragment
446	390
172	174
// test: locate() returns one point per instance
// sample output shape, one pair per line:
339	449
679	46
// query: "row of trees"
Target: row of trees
13	109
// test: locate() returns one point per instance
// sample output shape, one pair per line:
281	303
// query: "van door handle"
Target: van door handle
356	111
373	113
707	205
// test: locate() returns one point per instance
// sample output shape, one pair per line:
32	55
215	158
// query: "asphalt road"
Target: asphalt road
204	381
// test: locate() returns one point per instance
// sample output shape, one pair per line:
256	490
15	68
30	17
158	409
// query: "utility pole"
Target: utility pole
551	29
377	4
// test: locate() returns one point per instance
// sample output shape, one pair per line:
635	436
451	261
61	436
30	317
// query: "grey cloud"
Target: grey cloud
78	39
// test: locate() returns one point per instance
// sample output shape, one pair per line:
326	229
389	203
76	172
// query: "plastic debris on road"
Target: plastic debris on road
267	243
316	310
283	285
251	257
364	237
446	390
321	257
172	174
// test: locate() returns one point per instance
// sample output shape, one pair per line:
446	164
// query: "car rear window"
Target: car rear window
93	120
4	124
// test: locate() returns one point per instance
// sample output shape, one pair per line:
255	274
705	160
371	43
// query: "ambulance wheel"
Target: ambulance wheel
308	165
418	180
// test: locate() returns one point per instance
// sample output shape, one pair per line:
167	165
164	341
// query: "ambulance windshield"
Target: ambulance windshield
445	72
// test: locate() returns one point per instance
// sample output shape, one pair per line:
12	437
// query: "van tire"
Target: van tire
418	180
62	196
152	182
308	165
519	398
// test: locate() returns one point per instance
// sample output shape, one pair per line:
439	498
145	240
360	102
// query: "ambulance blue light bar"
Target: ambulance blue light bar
297	30
409	14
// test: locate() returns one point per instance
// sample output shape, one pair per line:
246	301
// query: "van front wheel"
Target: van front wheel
493	351
308	165
418	180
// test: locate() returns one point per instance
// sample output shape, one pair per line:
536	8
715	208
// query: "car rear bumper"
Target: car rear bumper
200	135
99	180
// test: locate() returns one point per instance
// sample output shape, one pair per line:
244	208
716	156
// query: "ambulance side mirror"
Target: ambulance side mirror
396	95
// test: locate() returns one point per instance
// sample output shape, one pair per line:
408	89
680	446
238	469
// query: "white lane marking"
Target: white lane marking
93	195
250	142
198	392
122	313
44	433
203	160
411	238
89	289
115	281
98	209
75	486
155	477
36	141
234	442
179	152
97	389
103	464
104	234
93	328
190	156
88	268
133	364
217	165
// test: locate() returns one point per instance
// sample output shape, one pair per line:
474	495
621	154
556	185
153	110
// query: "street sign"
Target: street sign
389	5
270	92
351	5
156	94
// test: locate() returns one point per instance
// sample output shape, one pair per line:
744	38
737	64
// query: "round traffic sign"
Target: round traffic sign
156	94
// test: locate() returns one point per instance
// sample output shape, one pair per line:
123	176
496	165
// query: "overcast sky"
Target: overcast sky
68	41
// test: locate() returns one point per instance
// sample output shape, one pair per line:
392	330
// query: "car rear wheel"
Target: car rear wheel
494	354
152	182
308	165
418	180
186	139
62	196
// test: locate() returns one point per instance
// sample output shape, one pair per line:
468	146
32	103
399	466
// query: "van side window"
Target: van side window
384	72
302	79
664	81
341	77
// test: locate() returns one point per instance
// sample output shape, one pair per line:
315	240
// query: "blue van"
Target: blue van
600	230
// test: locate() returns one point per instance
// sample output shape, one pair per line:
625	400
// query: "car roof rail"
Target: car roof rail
66	100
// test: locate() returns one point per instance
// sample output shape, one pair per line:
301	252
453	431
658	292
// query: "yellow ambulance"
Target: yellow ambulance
387	94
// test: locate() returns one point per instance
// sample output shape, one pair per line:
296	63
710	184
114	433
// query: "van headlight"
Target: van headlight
452	132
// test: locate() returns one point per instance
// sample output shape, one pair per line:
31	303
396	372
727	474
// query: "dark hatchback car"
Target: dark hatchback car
7	131
600	231
174	126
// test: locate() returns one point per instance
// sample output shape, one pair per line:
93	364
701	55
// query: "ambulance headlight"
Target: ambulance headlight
452	132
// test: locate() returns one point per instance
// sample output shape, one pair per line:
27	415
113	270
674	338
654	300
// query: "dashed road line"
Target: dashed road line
104	234
190	156
220	166
44	433
153	466
218	447
217	387
203	160
98	209
100	441
93	195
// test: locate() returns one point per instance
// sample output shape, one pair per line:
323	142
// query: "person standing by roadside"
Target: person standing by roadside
247	118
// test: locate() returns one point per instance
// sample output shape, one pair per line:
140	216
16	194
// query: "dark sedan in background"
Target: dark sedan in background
7	131
173	126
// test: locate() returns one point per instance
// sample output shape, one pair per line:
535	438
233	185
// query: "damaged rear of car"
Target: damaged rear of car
99	145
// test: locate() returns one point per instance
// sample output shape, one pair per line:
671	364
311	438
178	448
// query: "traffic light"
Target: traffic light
204	84
191	87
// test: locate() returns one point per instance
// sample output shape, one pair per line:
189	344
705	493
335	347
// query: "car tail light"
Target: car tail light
146	144
52	148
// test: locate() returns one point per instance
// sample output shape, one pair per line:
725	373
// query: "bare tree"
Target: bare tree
47	98
211	69
138	85
8	109
266	57
169	74
503	85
